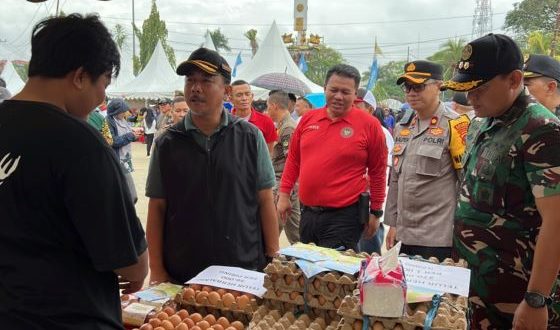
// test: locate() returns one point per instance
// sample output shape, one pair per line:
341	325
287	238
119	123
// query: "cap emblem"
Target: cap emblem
467	52
411	67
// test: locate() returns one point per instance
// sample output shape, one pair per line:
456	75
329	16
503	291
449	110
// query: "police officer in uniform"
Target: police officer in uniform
506	223
426	166
542	78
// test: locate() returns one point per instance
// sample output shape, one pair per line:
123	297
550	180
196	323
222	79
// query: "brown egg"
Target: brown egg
398	327
337	302
288	279
237	325
146	326
175	319
358	325
316	284
322	300
235	293
223	322
214	298
294	295
211	319
301	281
201	297
196	317
331	286
231	328
182	326
217	327
203	325
273	277
189	322
196	287
155	322
162	316
378	326
221	292
169	310
167	325
188	294
183	314
228	300
243	301
195	328
159	328
207	288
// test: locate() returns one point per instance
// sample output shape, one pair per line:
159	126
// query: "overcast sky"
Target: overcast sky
401	26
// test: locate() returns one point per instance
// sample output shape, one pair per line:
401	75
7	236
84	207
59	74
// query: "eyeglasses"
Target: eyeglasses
415	87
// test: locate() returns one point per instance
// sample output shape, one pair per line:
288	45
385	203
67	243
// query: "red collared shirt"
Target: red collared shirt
331	159
264	123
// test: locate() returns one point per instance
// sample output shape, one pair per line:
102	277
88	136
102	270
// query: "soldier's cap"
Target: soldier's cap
164	100
482	60
541	65
417	72
208	61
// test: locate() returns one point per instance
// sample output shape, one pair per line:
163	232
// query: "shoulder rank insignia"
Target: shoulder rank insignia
458	129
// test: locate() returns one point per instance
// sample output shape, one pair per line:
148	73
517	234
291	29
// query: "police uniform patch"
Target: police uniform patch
285	143
397	148
467	52
467	65
405	132
434	121
346	132
461	65
411	67
436	131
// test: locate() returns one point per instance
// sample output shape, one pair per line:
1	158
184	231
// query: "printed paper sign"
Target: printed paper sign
324	257
231	278
424	279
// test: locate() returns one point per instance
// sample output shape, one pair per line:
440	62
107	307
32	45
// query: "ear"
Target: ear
78	77
516	79
228	90
552	87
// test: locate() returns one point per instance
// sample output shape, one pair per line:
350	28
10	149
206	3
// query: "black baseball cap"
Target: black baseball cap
417	72
482	60
208	61
541	65
164	100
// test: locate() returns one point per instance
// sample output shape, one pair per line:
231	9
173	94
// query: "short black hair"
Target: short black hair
178	99
301	98
239	82
280	98
60	45
344	70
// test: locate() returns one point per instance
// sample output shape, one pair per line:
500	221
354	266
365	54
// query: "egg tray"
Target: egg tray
358	324
297	298
446	262
284	307
265	319
331	288
452	314
204	305
230	315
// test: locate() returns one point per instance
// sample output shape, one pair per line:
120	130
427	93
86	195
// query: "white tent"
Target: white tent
208	42
273	56
157	80
126	73
13	81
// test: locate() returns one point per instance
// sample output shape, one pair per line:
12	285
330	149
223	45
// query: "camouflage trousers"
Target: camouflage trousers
292	223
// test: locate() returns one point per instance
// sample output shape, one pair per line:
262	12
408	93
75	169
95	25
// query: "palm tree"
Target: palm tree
119	35
448	55
252	36
220	40
538	43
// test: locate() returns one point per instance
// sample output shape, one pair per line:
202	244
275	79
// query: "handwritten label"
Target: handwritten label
231	278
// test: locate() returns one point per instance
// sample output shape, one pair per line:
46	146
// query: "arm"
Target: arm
134	274
390	214
270	147
154	235
290	175
269	222
377	166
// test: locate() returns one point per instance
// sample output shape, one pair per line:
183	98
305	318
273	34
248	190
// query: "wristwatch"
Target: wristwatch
537	300
376	213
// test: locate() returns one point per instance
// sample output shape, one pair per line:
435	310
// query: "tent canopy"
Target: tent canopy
126	73
273	56
14	83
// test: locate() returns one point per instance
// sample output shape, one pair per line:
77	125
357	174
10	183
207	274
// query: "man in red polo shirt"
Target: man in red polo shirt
242	99
331	152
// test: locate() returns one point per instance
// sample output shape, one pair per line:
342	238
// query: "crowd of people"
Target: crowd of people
477	179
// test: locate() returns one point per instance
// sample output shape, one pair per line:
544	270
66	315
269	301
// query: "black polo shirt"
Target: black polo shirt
67	221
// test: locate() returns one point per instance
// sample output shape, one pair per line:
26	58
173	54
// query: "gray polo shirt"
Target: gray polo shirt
265	171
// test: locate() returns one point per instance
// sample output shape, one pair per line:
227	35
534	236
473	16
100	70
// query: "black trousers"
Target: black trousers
149	142
337	228
427	252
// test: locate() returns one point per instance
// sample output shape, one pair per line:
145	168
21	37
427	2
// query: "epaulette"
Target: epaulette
407	117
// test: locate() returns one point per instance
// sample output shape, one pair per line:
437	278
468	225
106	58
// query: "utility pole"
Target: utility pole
408	54
133	33
482	19
554	43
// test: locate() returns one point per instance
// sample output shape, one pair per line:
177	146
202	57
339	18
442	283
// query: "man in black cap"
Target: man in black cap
542	79
424	165
210	183
164	119
506	223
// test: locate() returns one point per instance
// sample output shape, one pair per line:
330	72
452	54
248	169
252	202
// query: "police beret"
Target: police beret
541	65
417	72
484	59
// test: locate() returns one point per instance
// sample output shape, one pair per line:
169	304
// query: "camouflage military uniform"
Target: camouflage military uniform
279	154
557	112
510	161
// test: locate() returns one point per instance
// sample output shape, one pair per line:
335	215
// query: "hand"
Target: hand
158	276
371	227
391	238
129	287
284	207
527	317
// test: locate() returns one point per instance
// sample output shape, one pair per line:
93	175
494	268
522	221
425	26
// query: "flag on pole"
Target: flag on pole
238	61
302	63
373	71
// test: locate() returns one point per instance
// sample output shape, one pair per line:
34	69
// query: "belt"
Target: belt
322	209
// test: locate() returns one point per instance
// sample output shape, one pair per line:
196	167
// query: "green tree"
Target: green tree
252	36
448	55
153	30
531	15
119	35
386	86
538	43
220	40
321	59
